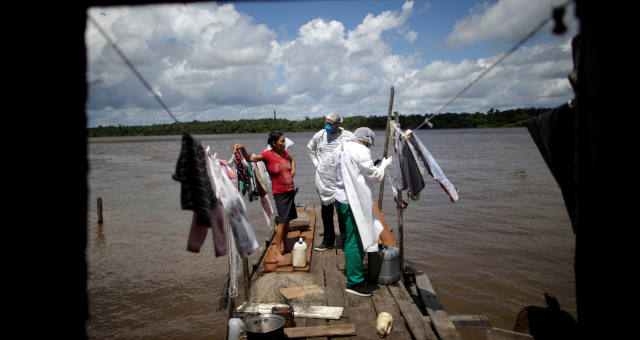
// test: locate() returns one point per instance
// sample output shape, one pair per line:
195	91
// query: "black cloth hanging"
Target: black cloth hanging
191	171
553	133
411	176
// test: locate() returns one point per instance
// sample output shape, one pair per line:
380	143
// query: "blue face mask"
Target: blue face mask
329	128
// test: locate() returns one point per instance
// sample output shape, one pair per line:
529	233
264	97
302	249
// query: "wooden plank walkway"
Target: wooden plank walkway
302	227
327	272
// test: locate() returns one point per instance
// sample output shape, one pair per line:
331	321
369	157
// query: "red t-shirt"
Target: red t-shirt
279	170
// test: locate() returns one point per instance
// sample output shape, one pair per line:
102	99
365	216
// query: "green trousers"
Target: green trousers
353	250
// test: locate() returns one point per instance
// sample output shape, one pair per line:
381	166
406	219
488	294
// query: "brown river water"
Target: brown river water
500	248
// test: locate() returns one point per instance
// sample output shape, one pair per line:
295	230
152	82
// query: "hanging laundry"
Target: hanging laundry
252	188
191	171
432	166
265	176
408	146
411	175
234	208
398	180
243	176
260	180
198	233
267	209
219	233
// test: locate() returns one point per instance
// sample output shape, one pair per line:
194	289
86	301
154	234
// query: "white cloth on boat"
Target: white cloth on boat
358	173
320	149
234	207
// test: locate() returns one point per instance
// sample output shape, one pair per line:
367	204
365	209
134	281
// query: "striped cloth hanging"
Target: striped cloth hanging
191	171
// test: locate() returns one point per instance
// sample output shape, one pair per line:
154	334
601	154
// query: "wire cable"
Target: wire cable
126	60
505	55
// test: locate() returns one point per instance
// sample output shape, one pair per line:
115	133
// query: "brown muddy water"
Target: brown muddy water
500	248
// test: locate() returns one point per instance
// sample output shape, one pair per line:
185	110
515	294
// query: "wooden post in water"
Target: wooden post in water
386	146
400	223
99	203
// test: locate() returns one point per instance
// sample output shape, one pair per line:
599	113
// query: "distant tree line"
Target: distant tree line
491	119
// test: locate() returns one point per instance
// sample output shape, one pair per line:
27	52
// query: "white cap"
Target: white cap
364	134
335	117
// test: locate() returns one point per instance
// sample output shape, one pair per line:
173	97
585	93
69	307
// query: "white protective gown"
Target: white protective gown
321	148
358	172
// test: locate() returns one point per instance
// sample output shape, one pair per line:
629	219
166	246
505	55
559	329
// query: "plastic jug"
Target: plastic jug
300	254
235	327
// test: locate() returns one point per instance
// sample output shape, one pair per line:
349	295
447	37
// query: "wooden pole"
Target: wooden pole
386	146
400	223
100	220
262	252
245	273
231	301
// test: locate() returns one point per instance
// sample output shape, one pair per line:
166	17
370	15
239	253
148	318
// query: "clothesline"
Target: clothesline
557	14
135	71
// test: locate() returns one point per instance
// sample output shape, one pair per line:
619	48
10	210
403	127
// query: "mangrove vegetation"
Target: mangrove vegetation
491	119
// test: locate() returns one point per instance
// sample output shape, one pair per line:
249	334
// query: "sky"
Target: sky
243	60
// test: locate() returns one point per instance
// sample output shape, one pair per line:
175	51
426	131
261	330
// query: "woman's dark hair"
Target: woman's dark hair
273	137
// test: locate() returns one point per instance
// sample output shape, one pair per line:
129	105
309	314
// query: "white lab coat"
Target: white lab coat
358	172
321	148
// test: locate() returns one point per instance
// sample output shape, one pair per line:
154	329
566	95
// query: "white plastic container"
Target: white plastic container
300	254
235	327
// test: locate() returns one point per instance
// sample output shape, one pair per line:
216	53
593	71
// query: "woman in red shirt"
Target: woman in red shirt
281	167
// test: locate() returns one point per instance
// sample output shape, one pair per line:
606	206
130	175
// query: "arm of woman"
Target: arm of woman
245	154
293	166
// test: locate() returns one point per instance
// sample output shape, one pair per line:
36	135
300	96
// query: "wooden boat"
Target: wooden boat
412	301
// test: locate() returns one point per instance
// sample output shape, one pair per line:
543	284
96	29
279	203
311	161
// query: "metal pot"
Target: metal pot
265	326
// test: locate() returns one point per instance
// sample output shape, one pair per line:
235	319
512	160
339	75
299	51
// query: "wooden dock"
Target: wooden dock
412	301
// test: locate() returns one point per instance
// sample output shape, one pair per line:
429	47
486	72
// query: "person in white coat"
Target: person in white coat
321	148
354	204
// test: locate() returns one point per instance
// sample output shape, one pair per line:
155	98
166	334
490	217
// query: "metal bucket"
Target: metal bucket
384	266
265	326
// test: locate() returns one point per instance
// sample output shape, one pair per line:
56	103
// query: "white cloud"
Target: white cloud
317	32
211	62
535	76
411	36
367	35
506	21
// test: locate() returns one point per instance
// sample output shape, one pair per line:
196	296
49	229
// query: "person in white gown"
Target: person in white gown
355	172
